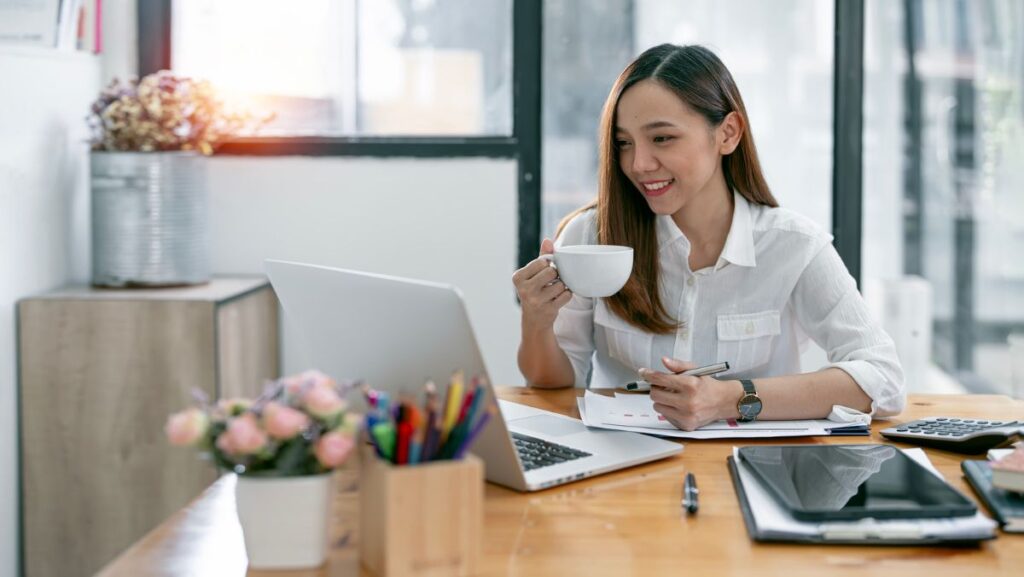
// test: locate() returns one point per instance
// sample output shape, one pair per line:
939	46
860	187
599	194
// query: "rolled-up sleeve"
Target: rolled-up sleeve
833	313
574	326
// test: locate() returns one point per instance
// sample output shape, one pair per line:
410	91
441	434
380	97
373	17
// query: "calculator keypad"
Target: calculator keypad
952	428
961	435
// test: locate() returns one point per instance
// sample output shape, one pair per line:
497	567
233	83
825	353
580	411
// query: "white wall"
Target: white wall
445	220
43	216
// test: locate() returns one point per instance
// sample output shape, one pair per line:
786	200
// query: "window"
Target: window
356	67
780	53
944	215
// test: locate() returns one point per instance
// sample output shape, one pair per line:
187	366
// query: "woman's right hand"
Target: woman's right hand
541	292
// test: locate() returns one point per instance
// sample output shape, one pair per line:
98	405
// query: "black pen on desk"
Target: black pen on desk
697	372
690	493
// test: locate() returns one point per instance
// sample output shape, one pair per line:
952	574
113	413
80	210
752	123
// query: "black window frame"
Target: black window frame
848	133
524	144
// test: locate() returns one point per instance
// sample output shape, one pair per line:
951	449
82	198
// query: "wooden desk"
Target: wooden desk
624	523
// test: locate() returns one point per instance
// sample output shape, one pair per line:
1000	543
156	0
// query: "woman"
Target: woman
720	272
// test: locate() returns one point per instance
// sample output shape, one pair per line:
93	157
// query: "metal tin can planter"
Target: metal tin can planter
150	219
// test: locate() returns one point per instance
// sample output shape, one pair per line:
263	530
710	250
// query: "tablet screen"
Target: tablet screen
833	482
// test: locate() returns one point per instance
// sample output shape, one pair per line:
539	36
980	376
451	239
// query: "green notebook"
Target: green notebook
1006	506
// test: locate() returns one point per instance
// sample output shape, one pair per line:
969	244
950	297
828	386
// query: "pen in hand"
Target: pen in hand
704	371
690	493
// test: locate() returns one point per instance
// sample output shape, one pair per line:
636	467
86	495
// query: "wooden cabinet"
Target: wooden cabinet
99	372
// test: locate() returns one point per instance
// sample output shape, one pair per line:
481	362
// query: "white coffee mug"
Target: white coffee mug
593	270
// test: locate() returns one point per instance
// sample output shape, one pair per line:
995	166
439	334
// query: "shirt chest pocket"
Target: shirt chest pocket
746	341
626	344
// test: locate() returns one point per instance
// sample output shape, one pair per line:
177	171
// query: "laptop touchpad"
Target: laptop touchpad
548	425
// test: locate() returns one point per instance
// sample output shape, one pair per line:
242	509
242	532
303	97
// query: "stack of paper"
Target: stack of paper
630	412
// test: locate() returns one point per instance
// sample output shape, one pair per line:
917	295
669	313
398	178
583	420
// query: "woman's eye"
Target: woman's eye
661	139
622	143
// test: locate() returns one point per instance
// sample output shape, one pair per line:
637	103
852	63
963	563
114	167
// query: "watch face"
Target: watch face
750	407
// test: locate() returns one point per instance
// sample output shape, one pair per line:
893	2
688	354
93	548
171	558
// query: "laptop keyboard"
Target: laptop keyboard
536	453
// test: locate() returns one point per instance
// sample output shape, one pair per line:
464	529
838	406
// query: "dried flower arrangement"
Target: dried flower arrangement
165	112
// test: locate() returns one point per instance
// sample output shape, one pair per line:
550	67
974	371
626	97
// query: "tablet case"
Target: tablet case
1006	506
782	537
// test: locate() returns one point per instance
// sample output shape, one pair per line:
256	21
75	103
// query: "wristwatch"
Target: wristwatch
749	405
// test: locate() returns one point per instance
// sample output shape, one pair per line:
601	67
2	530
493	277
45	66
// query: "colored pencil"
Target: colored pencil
451	412
472	436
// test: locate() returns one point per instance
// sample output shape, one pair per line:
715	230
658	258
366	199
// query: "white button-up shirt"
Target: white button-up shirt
778	282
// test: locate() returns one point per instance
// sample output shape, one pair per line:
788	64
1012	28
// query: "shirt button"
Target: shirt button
685	334
690	281
750	328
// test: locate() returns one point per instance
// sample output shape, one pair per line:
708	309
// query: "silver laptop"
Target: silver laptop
397	333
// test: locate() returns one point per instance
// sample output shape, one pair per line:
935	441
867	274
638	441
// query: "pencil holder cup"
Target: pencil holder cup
423	519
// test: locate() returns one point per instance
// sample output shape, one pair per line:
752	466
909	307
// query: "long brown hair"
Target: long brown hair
702	82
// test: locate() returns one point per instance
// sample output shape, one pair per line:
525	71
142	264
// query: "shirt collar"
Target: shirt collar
668	231
739	244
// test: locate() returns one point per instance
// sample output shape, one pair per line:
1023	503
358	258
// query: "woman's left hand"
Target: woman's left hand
688	402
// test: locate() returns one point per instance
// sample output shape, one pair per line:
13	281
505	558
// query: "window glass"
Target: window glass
351	67
943	210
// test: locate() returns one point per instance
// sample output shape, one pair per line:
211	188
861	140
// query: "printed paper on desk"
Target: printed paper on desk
636	413
626	410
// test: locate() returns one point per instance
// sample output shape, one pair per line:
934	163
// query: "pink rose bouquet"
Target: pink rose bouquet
299	426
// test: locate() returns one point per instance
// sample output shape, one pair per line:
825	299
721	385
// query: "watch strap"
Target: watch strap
749	398
748	387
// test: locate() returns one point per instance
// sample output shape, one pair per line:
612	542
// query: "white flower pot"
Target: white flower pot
285	519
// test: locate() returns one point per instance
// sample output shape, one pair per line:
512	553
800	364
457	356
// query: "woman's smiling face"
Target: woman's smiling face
667	150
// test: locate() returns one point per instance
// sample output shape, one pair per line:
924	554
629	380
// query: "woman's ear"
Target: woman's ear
731	131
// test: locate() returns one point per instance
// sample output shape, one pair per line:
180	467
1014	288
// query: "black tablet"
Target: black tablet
844	482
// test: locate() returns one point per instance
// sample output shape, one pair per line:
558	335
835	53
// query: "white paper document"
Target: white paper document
635	413
771	517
